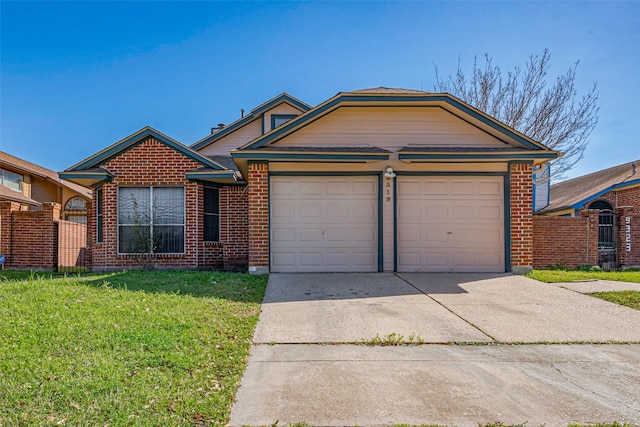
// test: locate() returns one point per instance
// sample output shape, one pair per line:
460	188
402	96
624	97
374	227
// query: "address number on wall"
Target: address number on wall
627	233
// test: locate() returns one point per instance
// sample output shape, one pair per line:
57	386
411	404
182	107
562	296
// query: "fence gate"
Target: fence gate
607	240
72	246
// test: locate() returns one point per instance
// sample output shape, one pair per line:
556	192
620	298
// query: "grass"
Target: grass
626	298
560	276
132	348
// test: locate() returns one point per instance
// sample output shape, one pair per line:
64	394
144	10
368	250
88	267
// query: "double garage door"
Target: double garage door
331	224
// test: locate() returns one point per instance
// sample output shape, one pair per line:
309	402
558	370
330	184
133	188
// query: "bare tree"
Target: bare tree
553	115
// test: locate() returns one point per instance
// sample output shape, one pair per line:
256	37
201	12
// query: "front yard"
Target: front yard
626	298
133	348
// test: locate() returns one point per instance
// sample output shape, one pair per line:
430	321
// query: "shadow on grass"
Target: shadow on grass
200	284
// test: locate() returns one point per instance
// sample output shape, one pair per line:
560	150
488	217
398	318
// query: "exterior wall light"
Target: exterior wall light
390	173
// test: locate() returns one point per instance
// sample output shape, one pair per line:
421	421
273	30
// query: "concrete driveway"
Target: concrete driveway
436	308
296	375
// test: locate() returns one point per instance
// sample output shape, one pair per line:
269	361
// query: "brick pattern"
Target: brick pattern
234	226
566	241
521	215
628	237
258	214
150	163
30	238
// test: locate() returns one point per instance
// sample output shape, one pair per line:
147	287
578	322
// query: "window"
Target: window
76	204
151	220
211	214
279	119
99	215
11	180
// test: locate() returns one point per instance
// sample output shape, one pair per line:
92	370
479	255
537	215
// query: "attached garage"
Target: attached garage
450	223
324	223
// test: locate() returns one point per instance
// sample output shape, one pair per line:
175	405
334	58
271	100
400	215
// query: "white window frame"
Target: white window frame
183	225
2	179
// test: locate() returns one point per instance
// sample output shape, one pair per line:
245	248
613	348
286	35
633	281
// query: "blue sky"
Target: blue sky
79	76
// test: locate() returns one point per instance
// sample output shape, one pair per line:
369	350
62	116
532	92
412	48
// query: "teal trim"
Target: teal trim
520	162
308	156
579	205
314	113
462	156
279	116
506	202
250	117
85	175
395	223
507	222
206	175
262	124
137	138
380	204
380	223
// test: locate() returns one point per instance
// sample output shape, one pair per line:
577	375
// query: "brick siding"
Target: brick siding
521	215
258	216
151	163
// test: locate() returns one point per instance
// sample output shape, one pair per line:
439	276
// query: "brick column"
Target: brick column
521	218
628	238
258	218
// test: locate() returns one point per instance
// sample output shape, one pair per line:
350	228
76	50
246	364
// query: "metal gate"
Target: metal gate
607	259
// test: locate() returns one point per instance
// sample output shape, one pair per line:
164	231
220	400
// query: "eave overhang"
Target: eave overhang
137	138
88	178
444	100
310	155
218	177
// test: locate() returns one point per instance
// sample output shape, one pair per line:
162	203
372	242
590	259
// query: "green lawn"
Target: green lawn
133	348
626	298
560	276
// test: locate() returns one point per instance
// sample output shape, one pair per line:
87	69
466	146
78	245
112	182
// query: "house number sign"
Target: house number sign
627	233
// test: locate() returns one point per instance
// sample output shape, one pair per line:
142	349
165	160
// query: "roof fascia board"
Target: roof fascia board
342	98
578	205
310	156
472	156
255	112
137	138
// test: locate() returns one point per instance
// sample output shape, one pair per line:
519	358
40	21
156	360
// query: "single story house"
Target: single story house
615	193
370	180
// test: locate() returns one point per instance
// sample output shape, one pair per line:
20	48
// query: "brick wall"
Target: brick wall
154	164
566	241
30	238
521	217
150	163
628	237
258	217
234	226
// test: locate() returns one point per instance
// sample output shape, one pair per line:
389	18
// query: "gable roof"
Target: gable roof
136	138
24	166
575	193
396	96
15	196
254	114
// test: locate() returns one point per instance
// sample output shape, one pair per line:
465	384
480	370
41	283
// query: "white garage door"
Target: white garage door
324	223
447	223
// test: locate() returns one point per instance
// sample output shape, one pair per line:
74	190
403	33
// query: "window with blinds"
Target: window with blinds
151	220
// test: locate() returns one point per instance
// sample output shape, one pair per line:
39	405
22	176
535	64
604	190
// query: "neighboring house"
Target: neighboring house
370	180
43	217
615	193
31	185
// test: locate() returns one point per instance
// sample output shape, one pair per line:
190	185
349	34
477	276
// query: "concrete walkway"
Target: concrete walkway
296	375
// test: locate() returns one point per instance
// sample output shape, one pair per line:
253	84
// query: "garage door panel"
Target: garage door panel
454	224
334	226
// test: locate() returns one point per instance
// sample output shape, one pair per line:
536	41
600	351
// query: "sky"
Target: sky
75	77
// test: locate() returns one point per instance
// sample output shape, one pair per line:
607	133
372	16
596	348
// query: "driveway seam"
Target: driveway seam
444	306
